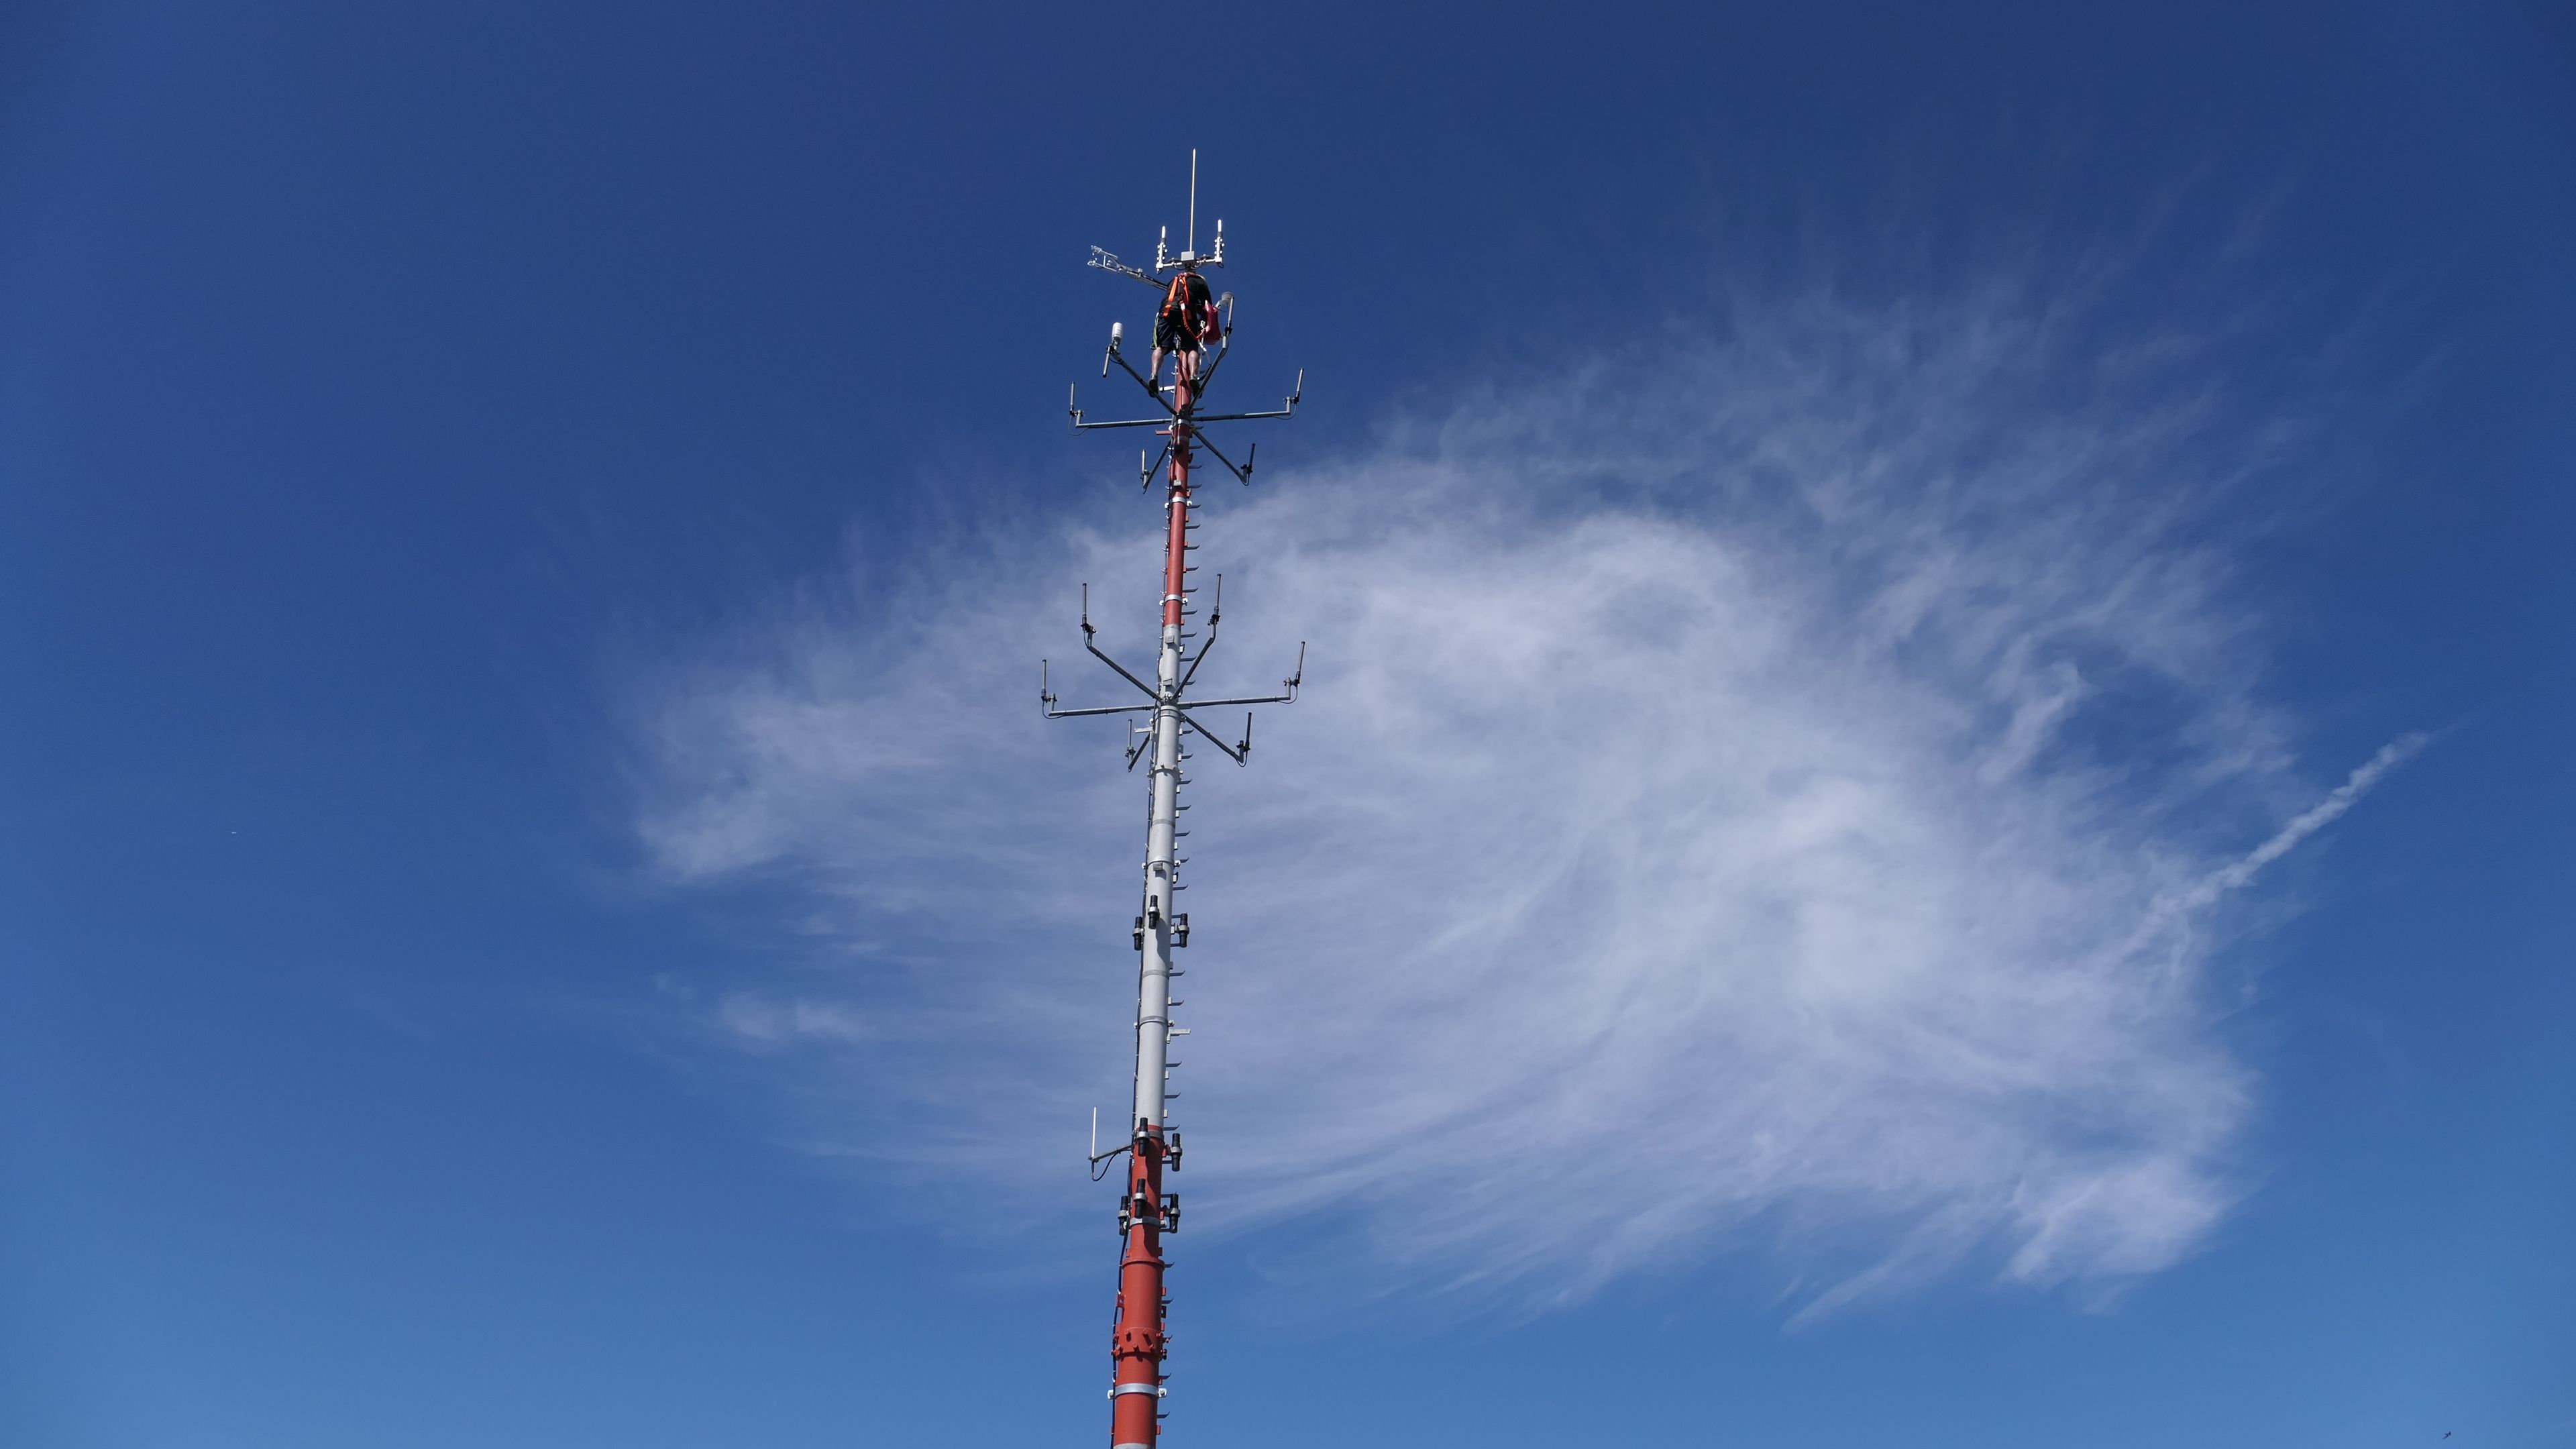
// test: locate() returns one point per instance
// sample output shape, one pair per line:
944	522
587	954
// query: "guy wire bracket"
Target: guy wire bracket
1194	330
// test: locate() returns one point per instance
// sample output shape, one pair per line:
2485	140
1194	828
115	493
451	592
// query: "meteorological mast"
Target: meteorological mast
1192	329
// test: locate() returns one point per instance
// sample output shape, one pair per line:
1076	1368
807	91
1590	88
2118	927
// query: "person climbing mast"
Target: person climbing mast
1187	322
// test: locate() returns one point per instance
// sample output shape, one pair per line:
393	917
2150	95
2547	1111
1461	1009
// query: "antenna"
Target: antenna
1146	1213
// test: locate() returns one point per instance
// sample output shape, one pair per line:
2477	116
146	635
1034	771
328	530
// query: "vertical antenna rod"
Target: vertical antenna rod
1146	1212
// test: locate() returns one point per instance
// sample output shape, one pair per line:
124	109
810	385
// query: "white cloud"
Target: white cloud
767	1021
1764	792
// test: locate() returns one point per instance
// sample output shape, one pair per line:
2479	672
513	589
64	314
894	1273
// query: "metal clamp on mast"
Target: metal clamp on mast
1194	330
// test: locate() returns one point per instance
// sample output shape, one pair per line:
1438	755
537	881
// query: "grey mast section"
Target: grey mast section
1154	973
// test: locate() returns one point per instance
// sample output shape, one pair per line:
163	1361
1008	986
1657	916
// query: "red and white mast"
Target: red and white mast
1146	1211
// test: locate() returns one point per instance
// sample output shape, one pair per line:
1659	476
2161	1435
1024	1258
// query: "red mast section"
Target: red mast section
1196	330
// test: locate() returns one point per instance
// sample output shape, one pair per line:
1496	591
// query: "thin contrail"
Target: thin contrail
2238	873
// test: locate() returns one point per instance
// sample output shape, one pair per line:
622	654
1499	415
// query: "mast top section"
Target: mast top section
1188	259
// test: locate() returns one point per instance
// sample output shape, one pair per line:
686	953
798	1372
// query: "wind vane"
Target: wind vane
1196	330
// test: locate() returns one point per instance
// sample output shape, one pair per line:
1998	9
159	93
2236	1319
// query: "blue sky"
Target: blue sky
1931	807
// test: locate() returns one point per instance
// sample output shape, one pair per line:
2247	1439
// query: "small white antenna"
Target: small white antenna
1194	198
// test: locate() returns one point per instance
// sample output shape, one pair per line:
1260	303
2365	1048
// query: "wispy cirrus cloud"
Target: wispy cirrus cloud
1769	792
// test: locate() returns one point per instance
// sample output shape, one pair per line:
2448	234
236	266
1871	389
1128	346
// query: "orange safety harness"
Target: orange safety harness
1198	321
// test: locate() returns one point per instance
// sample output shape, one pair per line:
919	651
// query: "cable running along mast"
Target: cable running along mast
1146	1212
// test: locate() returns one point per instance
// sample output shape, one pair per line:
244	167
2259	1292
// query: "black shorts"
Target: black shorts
1173	333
